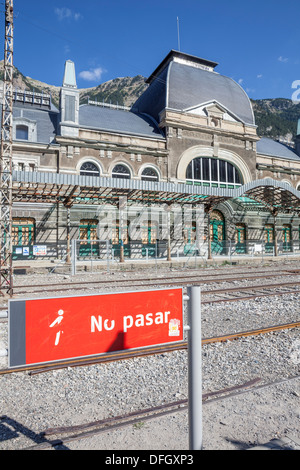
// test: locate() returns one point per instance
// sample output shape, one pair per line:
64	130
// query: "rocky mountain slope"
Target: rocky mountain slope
275	118
123	91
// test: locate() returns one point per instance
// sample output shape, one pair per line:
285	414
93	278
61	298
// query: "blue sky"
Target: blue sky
255	42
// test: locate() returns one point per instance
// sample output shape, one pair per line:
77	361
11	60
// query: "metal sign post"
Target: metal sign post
73	258
195	367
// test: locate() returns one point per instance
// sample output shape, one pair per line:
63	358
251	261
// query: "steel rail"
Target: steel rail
164	282
179	403
226	290
147	351
108	424
211	279
242	288
250	297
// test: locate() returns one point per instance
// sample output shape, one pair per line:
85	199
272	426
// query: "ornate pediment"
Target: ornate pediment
213	110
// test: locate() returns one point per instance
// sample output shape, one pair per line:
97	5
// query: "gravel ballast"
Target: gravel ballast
29	404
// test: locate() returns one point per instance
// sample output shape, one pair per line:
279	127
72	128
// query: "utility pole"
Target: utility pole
6	158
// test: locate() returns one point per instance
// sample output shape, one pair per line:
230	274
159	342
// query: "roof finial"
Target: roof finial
69	75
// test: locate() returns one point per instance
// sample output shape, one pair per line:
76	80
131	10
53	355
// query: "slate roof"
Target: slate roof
46	119
114	120
180	86
266	146
189	86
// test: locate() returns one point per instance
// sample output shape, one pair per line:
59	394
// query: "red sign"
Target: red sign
60	328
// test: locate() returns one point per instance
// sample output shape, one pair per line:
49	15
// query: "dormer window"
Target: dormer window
21	132
24	129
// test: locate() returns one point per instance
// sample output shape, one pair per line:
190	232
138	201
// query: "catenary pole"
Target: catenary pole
6	277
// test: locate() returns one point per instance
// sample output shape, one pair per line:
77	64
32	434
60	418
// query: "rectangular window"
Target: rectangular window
205	169
230	174
214	170
197	169
23	231
190	171
222	171
22	132
70	108
237	177
88	230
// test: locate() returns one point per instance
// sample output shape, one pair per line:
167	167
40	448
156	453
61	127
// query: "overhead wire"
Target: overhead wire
77	44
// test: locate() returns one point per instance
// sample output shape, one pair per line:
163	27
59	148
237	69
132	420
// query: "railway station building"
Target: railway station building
181	172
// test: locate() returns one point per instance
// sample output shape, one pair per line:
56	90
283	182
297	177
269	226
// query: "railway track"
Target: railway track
232	294
175	279
160	349
209	296
263	290
58	437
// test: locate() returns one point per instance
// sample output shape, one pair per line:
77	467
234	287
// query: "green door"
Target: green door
269	238
287	237
217	233
149	240
88	233
240	238
117	241
189	235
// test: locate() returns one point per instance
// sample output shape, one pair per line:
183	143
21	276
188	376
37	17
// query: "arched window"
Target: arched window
89	169
213	172
121	171
149	174
22	132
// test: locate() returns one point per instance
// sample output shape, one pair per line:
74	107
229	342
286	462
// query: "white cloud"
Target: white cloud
92	75
259	75
241	81
66	13
282	59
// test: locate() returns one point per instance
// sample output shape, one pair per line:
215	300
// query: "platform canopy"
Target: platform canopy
70	189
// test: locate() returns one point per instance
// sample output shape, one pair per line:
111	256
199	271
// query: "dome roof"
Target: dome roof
189	86
183	81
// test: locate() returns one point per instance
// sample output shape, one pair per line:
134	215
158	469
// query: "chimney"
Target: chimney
69	102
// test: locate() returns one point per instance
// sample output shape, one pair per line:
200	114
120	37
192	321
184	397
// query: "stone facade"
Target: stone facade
206	130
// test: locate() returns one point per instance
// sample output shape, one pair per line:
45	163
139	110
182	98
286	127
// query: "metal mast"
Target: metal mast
6	158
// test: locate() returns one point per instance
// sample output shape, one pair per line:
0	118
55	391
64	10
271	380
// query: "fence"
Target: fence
104	251
189	253
254	248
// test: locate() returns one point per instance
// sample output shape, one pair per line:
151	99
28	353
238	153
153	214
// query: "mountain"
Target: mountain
26	83
123	91
276	118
